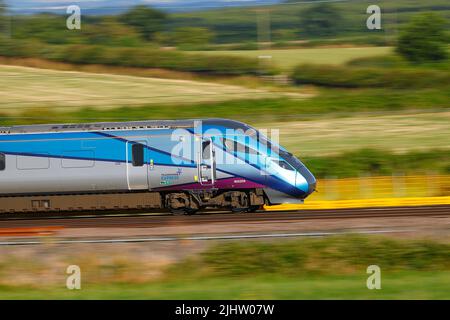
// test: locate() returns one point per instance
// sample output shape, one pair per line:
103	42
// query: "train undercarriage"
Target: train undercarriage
179	202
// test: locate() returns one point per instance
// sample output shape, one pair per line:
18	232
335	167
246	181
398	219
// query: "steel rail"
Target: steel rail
149	221
194	238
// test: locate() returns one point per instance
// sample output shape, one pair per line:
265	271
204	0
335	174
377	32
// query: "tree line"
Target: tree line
140	26
423	38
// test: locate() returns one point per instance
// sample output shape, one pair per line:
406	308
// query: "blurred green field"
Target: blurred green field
286	59
308	136
308	268
379	162
398	133
22	87
239	25
401	285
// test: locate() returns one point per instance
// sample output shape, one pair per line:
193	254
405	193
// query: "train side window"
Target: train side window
137	151
234	146
229	144
206	146
2	162
283	164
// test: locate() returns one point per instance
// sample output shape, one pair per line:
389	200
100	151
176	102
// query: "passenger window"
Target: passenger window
33	163
234	146
137	151
78	159
250	150
239	147
229	145
2	162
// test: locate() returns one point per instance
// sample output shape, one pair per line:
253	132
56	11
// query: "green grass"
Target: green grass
336	255
287	59
328	102
322	268
400	285
352	77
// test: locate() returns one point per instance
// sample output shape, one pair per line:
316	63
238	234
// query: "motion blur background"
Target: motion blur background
366	110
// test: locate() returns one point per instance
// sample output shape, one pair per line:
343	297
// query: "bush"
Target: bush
330	255
146	20
376	162
348	77
192	38
388	61
322	20
17	48
424	39
132	57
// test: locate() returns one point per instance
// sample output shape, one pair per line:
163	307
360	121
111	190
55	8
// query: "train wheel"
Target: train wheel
190	211
253	208
240	202
181	204
247	209
184	211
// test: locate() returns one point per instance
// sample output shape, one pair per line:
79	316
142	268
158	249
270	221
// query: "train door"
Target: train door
207	163
137	166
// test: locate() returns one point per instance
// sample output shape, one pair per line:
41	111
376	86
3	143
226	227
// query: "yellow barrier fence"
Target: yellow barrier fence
376	192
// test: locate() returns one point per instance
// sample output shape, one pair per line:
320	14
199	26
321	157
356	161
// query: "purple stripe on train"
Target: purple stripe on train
227	183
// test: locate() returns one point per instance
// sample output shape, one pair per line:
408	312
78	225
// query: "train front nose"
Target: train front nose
312	185
308	179
305	181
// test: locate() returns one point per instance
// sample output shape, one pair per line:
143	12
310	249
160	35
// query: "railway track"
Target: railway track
194	238
149	221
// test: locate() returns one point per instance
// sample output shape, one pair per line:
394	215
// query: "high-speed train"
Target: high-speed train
179	165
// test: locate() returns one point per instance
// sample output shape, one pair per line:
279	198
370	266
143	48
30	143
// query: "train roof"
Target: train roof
129	125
